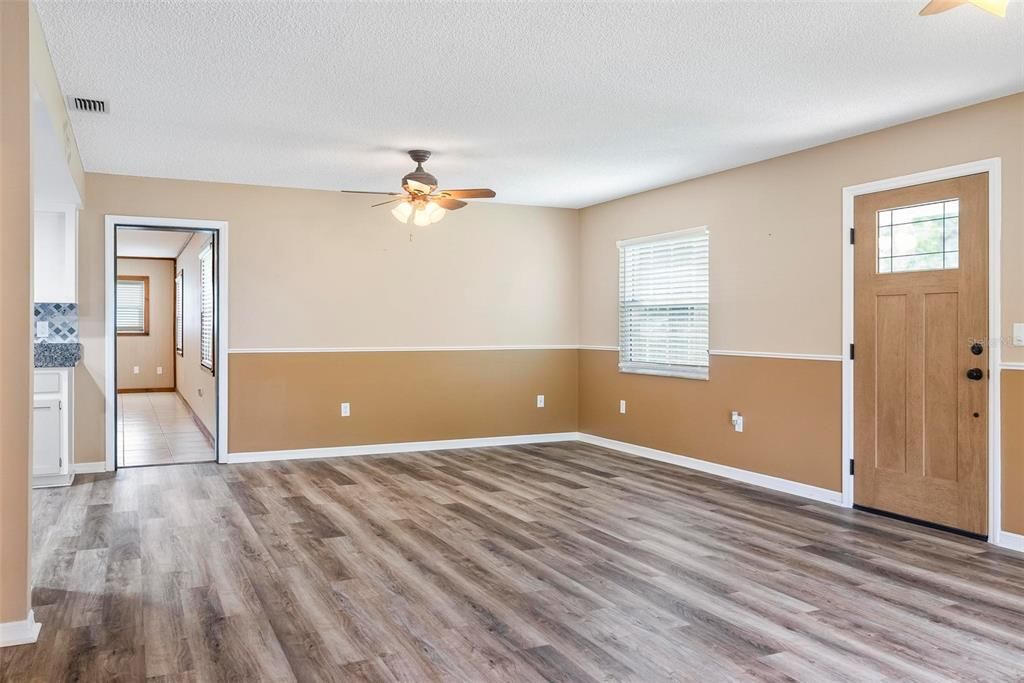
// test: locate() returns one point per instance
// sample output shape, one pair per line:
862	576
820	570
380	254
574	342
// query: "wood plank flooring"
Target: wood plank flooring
556	562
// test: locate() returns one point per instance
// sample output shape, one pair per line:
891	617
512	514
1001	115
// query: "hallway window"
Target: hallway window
206	306
133	304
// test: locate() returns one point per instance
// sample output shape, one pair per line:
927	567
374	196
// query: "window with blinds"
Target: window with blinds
664	304
179	313
132	312
206	307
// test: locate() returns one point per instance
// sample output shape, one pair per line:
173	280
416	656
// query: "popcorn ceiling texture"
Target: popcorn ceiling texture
550	103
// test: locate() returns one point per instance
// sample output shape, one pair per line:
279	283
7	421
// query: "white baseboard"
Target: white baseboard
90	467
1004	539
404	447
763	480
19	632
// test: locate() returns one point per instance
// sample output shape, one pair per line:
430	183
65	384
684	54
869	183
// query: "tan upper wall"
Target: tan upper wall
196	384
156	349
776	230
319	269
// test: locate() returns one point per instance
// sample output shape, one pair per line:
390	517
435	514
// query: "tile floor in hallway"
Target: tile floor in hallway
157	428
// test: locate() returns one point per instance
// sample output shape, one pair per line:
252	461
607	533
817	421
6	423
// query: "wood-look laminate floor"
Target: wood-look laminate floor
558	562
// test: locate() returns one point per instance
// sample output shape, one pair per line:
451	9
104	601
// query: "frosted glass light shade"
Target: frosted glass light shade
402	212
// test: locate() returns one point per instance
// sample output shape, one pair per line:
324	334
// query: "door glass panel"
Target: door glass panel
921	237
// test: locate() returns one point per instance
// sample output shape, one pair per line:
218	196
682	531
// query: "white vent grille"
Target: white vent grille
88	105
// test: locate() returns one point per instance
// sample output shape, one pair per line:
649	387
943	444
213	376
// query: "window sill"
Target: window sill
133	334
693	372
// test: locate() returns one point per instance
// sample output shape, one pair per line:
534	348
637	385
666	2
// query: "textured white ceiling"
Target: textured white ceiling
549	103
151	243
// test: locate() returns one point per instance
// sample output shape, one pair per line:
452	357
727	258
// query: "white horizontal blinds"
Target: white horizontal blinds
131	306
206	307
663	304
179	312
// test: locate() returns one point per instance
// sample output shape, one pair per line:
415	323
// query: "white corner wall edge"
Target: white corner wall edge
401	447
21	632
1010	541
736	474
89	467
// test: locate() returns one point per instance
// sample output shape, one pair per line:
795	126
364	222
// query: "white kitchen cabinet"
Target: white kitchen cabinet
52	425
47	437
55	255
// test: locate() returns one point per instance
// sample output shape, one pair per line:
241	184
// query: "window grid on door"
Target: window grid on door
918	238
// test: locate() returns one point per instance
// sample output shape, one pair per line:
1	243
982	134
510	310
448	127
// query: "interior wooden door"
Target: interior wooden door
921	355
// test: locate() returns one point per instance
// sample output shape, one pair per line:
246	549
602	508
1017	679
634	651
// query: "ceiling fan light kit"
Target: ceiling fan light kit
421	201
996	7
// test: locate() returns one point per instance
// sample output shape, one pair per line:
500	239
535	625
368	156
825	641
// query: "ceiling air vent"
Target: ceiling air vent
86	104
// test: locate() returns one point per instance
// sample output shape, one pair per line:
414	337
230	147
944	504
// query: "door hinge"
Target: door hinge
851	465
851	352
852	236
60	405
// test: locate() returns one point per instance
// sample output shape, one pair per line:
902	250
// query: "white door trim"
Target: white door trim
993	167
110	374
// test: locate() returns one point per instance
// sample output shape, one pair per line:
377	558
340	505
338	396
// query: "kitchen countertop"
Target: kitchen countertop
57	355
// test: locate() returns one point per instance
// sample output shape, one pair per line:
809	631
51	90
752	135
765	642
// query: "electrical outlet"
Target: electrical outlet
345	410
135	369
159	370
737	421
42	329
622	407
540	400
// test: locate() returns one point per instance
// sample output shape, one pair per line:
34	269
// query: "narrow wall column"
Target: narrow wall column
16	623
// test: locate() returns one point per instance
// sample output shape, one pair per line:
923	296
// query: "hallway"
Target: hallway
157	428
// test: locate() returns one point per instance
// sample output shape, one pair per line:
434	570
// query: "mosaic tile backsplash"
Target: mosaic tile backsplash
63	320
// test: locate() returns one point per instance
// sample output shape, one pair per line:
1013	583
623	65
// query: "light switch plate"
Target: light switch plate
159	370
1018	334
540	400
135	369
345	410
622	407
42	329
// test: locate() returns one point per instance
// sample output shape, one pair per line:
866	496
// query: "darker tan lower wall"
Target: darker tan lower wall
791	408
283	401
1013	450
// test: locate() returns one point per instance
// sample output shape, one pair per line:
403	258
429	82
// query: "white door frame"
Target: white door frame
993	167
110	376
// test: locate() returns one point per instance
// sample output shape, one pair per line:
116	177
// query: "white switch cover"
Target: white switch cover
737	421
622	407
159	370
540	400
42	329
135	370
1018	334
345	411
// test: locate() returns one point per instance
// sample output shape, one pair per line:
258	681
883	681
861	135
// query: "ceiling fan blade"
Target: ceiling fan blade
449	203
389	194
478	193
390	201
936	6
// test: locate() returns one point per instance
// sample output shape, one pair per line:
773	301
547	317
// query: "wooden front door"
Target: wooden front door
921	368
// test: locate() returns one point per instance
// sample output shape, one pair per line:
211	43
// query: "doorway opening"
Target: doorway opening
166	303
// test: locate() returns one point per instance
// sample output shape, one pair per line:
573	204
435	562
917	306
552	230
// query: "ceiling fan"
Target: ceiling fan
421	200
996	7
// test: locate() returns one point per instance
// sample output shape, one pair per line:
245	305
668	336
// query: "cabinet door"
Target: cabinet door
55	257
47	437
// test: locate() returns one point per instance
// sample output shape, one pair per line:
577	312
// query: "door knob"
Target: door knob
975	374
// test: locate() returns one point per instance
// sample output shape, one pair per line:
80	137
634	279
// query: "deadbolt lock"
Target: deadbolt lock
977	349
